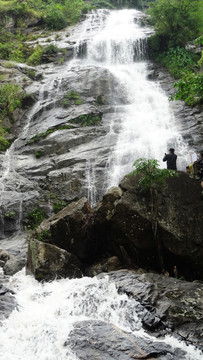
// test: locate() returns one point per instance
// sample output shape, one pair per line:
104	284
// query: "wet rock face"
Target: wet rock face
167	305
100	340
7	300
189	118
159	229
63	144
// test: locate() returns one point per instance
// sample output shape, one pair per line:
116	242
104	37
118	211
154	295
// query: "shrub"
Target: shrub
178	61
36	57
149	173
10	98
58	206
71	98
190	89
87	119
4	143
50	49
55	19
35	218
178	20
44	236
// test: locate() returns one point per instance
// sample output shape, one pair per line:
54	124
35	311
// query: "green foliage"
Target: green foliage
100	100
149	173
10	215
178	61
35	218
40	136
44	236
11	97
87	120
38	154
43	135
190	89
4	143
118	4
50	49
71	98
177	21
58	206
55	19
36	57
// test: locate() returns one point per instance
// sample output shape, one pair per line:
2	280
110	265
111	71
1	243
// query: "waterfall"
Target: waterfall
141	126
90	178
145	125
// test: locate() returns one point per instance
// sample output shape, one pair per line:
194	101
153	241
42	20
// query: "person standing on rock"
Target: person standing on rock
200	170
171	159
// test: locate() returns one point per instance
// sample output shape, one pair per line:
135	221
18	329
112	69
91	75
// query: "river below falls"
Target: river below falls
38	328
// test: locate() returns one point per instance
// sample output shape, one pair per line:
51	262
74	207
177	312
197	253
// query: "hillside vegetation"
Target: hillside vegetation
177	22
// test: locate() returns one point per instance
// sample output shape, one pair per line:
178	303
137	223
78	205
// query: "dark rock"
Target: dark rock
7	301
166	303
70	229
99	340
107	265
13	265
48	262
160	230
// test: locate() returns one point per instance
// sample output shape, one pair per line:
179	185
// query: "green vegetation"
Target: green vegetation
176	23
87	120
119	4
83	120
49	14
44	236
11	97
10	215
59	205
149	173
43	135
179	61
38	154
71	98
35	218
189	89
100	100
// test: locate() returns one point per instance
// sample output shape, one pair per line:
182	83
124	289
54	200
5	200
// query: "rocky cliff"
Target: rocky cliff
158	229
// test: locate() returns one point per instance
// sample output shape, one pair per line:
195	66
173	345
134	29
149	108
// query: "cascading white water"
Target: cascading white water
46	313
145	125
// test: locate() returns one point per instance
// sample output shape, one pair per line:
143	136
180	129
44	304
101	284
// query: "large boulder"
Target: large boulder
159	229
63	244
100	340
48	262
166	305
70	229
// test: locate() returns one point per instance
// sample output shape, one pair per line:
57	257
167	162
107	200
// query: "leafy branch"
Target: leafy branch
150	173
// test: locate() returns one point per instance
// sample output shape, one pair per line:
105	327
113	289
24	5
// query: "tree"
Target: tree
176	20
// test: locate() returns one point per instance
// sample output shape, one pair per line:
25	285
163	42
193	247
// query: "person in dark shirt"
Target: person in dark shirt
171	159
200	164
